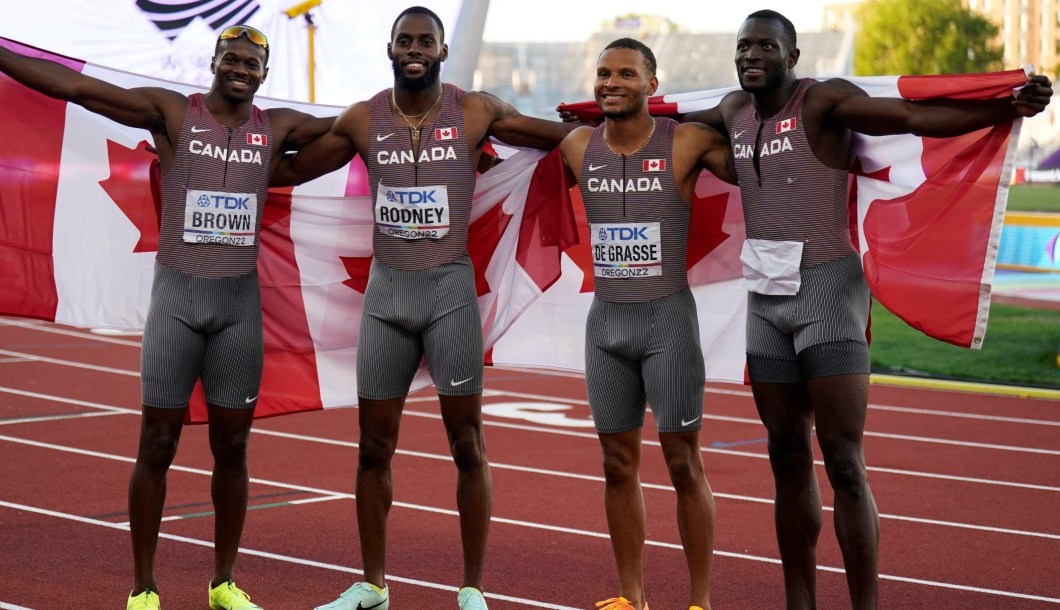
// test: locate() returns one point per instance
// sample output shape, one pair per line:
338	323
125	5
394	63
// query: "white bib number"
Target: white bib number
418	212
213	217
772	267
626	250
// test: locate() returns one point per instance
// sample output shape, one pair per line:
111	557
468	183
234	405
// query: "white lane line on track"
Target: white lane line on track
47	327
495	465
71	363
531	603
7	606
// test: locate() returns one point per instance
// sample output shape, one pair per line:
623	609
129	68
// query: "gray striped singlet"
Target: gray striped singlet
642	333
443	160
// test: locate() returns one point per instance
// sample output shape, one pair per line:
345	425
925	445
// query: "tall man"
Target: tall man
421	141
204	320
637	176
808	311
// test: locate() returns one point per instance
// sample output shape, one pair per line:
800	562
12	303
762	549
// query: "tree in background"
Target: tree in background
923	37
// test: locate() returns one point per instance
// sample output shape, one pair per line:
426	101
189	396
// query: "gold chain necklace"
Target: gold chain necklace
637	149
422	116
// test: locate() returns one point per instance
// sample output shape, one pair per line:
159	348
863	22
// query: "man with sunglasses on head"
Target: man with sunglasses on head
419	139
204	320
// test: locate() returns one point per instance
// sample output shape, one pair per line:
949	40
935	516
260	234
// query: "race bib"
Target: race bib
212	217
625	250
772	267
418	212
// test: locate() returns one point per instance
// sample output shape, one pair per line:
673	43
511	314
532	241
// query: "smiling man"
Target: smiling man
421	142
638	176
217	151
807	354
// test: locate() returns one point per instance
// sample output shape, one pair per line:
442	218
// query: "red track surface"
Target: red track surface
968	488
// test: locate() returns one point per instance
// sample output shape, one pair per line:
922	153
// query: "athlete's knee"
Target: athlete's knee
686	471
846	473
375	453
230	451
468	449
790	458
619	467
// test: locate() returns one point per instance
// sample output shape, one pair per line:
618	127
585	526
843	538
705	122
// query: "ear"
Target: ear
445	51
213	65
264	74
389	52
793	58
653	85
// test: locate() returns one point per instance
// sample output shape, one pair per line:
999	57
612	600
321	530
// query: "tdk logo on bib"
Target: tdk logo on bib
412	197
624	232
626	250
223	202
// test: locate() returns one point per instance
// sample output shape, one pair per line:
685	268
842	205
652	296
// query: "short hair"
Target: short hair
635	45
418	10
789	28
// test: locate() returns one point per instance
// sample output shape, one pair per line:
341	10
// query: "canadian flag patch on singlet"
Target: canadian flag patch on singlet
655	165
258	139
786	125
445	133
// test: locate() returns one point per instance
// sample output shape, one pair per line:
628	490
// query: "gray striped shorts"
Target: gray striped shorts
819	332
409	315
202	328
649	351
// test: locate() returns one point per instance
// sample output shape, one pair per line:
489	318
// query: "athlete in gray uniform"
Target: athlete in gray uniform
637	176
217	152
421	142
806	350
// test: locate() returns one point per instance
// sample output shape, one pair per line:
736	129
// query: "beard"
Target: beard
420	82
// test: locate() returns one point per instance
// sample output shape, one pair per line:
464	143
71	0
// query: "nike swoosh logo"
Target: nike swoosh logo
195	129
790	180
380	138
736	136
456	383
251	399
593	168
361	606
690	422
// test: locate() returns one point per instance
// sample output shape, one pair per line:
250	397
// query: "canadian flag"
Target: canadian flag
786	125
926	213
654	165
80	233
259	139
445	133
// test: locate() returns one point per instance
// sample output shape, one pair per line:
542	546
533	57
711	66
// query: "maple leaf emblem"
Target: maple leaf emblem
134	187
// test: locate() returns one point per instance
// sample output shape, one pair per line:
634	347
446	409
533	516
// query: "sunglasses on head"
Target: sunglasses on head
254	36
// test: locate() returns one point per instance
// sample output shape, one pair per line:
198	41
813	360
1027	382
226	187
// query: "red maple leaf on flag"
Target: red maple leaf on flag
357	267
128	186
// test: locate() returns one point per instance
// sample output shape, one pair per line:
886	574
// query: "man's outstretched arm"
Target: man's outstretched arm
849	106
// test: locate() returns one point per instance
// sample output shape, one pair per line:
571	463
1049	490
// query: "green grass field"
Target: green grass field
1034	198
1020	348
